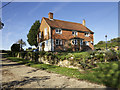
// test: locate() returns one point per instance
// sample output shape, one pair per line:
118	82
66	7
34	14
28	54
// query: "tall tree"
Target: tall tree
22	43
32	35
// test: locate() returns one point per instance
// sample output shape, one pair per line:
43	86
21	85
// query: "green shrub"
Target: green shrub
9	54
42	53
22	54
35	56
110	55
48	53
118	54
109	74
69	49
15	48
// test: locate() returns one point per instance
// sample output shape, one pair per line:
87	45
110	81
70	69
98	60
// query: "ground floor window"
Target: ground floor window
74	42
87	43
81	42
58	41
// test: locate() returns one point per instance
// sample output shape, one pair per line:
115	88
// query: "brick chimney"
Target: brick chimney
50	15
84	22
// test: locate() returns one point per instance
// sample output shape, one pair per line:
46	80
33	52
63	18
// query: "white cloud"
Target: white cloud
59	7
34	9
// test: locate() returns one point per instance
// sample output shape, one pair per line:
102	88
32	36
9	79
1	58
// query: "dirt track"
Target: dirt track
20	76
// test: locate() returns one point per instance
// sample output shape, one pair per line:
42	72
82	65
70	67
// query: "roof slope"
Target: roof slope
67	25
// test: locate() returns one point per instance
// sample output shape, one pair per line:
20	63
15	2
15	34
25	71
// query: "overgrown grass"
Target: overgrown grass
106	74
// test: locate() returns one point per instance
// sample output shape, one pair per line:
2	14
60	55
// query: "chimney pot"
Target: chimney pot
84	22
50	15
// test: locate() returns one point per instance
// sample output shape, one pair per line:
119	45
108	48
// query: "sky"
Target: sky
18	17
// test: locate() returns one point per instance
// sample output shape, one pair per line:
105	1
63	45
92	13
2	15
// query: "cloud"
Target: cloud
34	9
59	7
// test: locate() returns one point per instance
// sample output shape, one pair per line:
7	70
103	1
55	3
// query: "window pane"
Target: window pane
57	30
56	41
75	41
73	33
45	31
72	41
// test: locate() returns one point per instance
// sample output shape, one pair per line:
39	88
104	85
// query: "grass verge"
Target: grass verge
106	74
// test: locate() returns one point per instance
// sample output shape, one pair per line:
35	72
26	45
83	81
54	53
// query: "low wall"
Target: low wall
52	61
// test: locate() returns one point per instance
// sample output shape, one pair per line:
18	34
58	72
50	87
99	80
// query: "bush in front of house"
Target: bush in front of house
15	48
35	56
22	54
42	53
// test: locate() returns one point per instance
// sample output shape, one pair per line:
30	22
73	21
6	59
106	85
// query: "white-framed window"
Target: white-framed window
74	42
87	43
58	31
87	34
58	41
74	33
45	31
40	35
81	42
91	42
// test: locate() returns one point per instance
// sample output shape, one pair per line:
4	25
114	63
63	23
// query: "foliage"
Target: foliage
15	47
108	73
110	55
32	35
35	56
112	43
41	53
22	43
22	54
118	54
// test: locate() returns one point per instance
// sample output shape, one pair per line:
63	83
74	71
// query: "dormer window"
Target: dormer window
74	33
58	31
87	34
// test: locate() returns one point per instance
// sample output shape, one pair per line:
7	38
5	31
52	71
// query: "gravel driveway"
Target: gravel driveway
16	75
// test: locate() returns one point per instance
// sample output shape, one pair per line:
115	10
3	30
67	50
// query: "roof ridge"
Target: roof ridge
65	21
74	23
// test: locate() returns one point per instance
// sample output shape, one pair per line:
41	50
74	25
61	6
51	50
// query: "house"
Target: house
59	35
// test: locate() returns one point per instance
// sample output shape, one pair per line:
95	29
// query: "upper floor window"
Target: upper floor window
87	34
58	42
58	31
74	33
74	42
87	43
45	31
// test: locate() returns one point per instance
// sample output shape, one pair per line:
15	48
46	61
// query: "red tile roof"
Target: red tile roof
67	25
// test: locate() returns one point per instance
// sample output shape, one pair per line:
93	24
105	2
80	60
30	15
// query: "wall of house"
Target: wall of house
46	39
42	27
68	35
